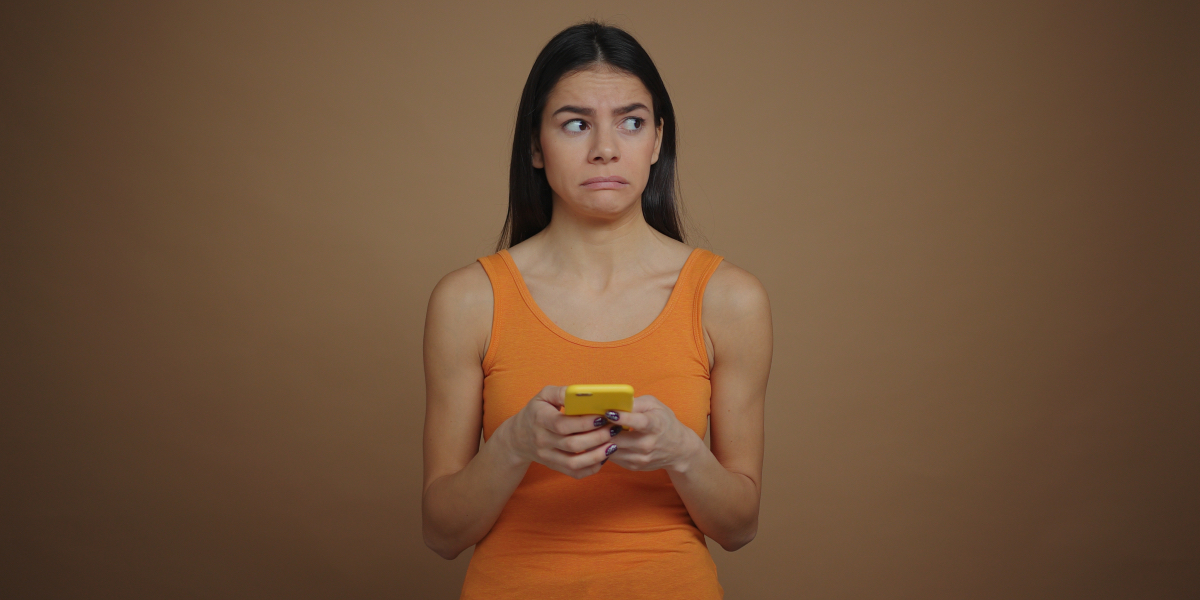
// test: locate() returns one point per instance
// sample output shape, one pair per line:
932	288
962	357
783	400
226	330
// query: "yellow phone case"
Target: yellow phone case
598	398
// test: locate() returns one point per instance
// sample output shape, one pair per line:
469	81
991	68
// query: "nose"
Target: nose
604	147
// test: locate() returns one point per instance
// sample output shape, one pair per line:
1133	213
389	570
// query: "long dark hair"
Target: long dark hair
574	49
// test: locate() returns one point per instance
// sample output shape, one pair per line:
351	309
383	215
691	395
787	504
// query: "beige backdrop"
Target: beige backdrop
978	226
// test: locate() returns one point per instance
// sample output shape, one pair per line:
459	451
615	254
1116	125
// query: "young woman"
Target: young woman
595	286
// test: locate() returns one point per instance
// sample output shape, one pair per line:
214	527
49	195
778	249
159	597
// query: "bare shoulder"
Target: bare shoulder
734	293
736	319
466	288
460	307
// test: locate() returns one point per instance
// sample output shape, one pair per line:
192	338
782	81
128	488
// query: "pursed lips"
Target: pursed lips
605	183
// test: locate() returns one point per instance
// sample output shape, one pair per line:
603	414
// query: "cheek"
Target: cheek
558	167
646	148
555	153
645	157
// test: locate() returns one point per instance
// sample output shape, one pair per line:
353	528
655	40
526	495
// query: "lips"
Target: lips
611	182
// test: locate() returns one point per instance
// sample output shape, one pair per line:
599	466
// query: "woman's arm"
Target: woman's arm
720	488
466	486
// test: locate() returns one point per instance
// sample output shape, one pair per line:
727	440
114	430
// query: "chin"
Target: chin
607	207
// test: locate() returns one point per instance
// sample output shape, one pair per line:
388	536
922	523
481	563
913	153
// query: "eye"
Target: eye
574	126
632	123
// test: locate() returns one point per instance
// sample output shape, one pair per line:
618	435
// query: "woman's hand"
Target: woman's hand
572	445
657	440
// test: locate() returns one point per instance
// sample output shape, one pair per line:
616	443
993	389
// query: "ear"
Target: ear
657	141
535	150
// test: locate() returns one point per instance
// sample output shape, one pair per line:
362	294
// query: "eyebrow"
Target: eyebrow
591	112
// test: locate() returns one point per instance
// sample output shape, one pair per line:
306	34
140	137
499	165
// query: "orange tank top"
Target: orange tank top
618	533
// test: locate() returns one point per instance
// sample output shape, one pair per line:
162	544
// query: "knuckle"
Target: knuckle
590	442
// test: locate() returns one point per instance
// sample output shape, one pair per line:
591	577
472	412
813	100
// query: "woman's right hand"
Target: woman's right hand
573	445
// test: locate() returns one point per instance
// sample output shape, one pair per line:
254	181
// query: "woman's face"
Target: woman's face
597	142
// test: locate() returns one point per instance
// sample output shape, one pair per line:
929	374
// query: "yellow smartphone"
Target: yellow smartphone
598	398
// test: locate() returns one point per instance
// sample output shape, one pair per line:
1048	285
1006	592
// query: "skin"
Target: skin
601	273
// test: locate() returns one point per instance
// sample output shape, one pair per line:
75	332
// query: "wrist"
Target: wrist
693	449
506	447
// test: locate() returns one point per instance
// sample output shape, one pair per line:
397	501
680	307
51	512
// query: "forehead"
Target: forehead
599	89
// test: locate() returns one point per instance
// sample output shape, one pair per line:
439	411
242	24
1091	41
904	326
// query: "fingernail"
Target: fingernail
612	415
614	430
603	461
598	422
610	450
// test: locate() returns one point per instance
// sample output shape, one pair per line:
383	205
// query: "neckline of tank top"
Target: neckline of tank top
672	300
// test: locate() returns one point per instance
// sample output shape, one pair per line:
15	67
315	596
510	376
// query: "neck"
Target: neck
576	243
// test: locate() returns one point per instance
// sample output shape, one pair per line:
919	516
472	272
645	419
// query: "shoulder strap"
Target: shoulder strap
707	265
505	296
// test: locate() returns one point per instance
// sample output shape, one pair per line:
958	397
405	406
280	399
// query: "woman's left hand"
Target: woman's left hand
658	439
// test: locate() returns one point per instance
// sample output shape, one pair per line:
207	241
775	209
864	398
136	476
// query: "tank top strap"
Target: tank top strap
503	284
506	303
694	279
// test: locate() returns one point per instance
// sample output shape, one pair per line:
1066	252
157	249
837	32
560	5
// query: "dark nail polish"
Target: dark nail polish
603	461
598	422
614	430
612	415
610	450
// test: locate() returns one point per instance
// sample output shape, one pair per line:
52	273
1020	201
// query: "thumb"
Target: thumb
555	395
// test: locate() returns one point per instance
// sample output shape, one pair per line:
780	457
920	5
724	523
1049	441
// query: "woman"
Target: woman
595	286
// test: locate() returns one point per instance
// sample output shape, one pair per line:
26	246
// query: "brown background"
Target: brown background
978	226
